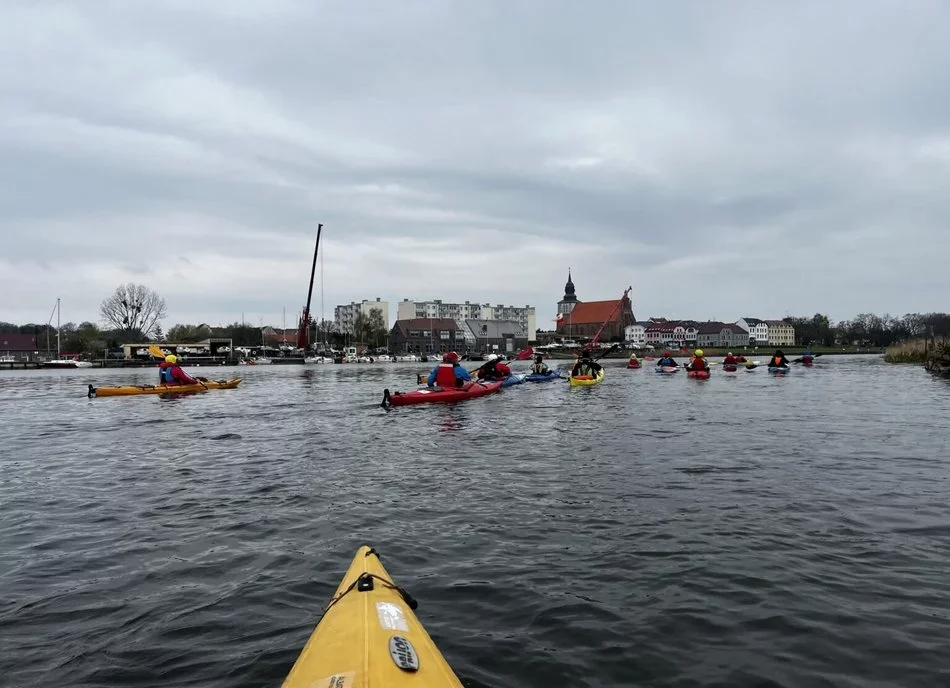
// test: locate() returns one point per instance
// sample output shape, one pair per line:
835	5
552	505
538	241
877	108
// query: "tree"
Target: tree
376	325
134	309
158	335
360	327
183	334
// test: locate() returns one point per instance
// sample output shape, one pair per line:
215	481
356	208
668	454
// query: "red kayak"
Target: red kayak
634	366
729	368
698	374
433	395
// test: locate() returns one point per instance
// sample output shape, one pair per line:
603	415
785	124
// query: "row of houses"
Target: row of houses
677	333
438	335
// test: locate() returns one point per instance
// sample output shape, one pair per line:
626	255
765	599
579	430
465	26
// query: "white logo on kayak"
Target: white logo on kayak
391	616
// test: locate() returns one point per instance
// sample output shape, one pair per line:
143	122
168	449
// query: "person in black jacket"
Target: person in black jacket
586	366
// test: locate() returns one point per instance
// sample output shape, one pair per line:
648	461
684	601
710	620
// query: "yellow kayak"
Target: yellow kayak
128	390
587	380
368	637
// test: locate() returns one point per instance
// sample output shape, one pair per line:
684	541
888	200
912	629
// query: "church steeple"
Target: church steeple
566	305
569	288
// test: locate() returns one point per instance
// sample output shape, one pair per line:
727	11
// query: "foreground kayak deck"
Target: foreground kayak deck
131	390
586	380
369	636
436	395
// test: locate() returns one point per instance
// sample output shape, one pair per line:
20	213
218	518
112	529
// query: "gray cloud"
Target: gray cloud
723	159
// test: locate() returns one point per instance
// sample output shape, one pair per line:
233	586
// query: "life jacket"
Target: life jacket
698	363
165	374
776	361
445	375
730	359
502	370
540	368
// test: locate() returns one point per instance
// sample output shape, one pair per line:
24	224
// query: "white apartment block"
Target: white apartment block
344	316
460	312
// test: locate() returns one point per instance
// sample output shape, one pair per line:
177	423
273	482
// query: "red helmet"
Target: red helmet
666	353
451	357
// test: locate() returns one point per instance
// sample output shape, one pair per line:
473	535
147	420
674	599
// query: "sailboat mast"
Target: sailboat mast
59	355
303	332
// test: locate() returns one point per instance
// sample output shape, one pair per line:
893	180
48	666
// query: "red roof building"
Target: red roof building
587	317
22	347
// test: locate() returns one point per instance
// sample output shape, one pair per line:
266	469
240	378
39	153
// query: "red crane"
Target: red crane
610	317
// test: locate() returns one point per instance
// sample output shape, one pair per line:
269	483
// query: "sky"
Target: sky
723	159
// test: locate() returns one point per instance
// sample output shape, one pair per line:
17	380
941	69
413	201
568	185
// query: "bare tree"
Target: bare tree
133	308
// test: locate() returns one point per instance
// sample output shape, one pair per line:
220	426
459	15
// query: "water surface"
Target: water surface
650	531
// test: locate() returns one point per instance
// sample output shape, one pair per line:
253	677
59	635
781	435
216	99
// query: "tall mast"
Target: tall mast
58	348
303	331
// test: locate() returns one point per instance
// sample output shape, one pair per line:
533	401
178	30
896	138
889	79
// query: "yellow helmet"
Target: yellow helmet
171	358
699	352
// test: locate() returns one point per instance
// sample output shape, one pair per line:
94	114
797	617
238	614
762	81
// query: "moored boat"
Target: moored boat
132	390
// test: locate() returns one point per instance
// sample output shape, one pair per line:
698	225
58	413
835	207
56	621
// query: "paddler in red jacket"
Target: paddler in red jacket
697	362
493	369
730	359
449	373
170	373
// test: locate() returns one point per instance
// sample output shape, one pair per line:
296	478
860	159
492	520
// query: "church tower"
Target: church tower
566	305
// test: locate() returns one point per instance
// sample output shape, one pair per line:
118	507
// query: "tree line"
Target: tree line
868	329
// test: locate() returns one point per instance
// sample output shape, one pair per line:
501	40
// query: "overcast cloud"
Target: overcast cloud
723	158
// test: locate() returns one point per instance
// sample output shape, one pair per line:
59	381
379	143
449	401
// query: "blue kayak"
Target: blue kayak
778	370
551	375
513	379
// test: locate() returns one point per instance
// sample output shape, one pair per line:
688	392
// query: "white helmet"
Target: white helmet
492	357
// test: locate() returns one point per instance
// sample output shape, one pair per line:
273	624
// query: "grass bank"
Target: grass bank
909	351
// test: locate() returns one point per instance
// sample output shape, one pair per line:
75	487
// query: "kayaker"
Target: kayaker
449	373
170	373
697	362
807	357
778	360
634	362
730	359
539	367
741	359
493	369
586	366
667	360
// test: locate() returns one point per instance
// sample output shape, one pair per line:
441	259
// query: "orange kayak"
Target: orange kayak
130	390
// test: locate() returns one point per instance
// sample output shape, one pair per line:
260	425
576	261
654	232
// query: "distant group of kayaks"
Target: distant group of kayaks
481	388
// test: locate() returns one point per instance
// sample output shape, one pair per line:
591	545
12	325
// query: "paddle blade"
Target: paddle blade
525	355
155	351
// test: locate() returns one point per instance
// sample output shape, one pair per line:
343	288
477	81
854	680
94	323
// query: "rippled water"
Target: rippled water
650	531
